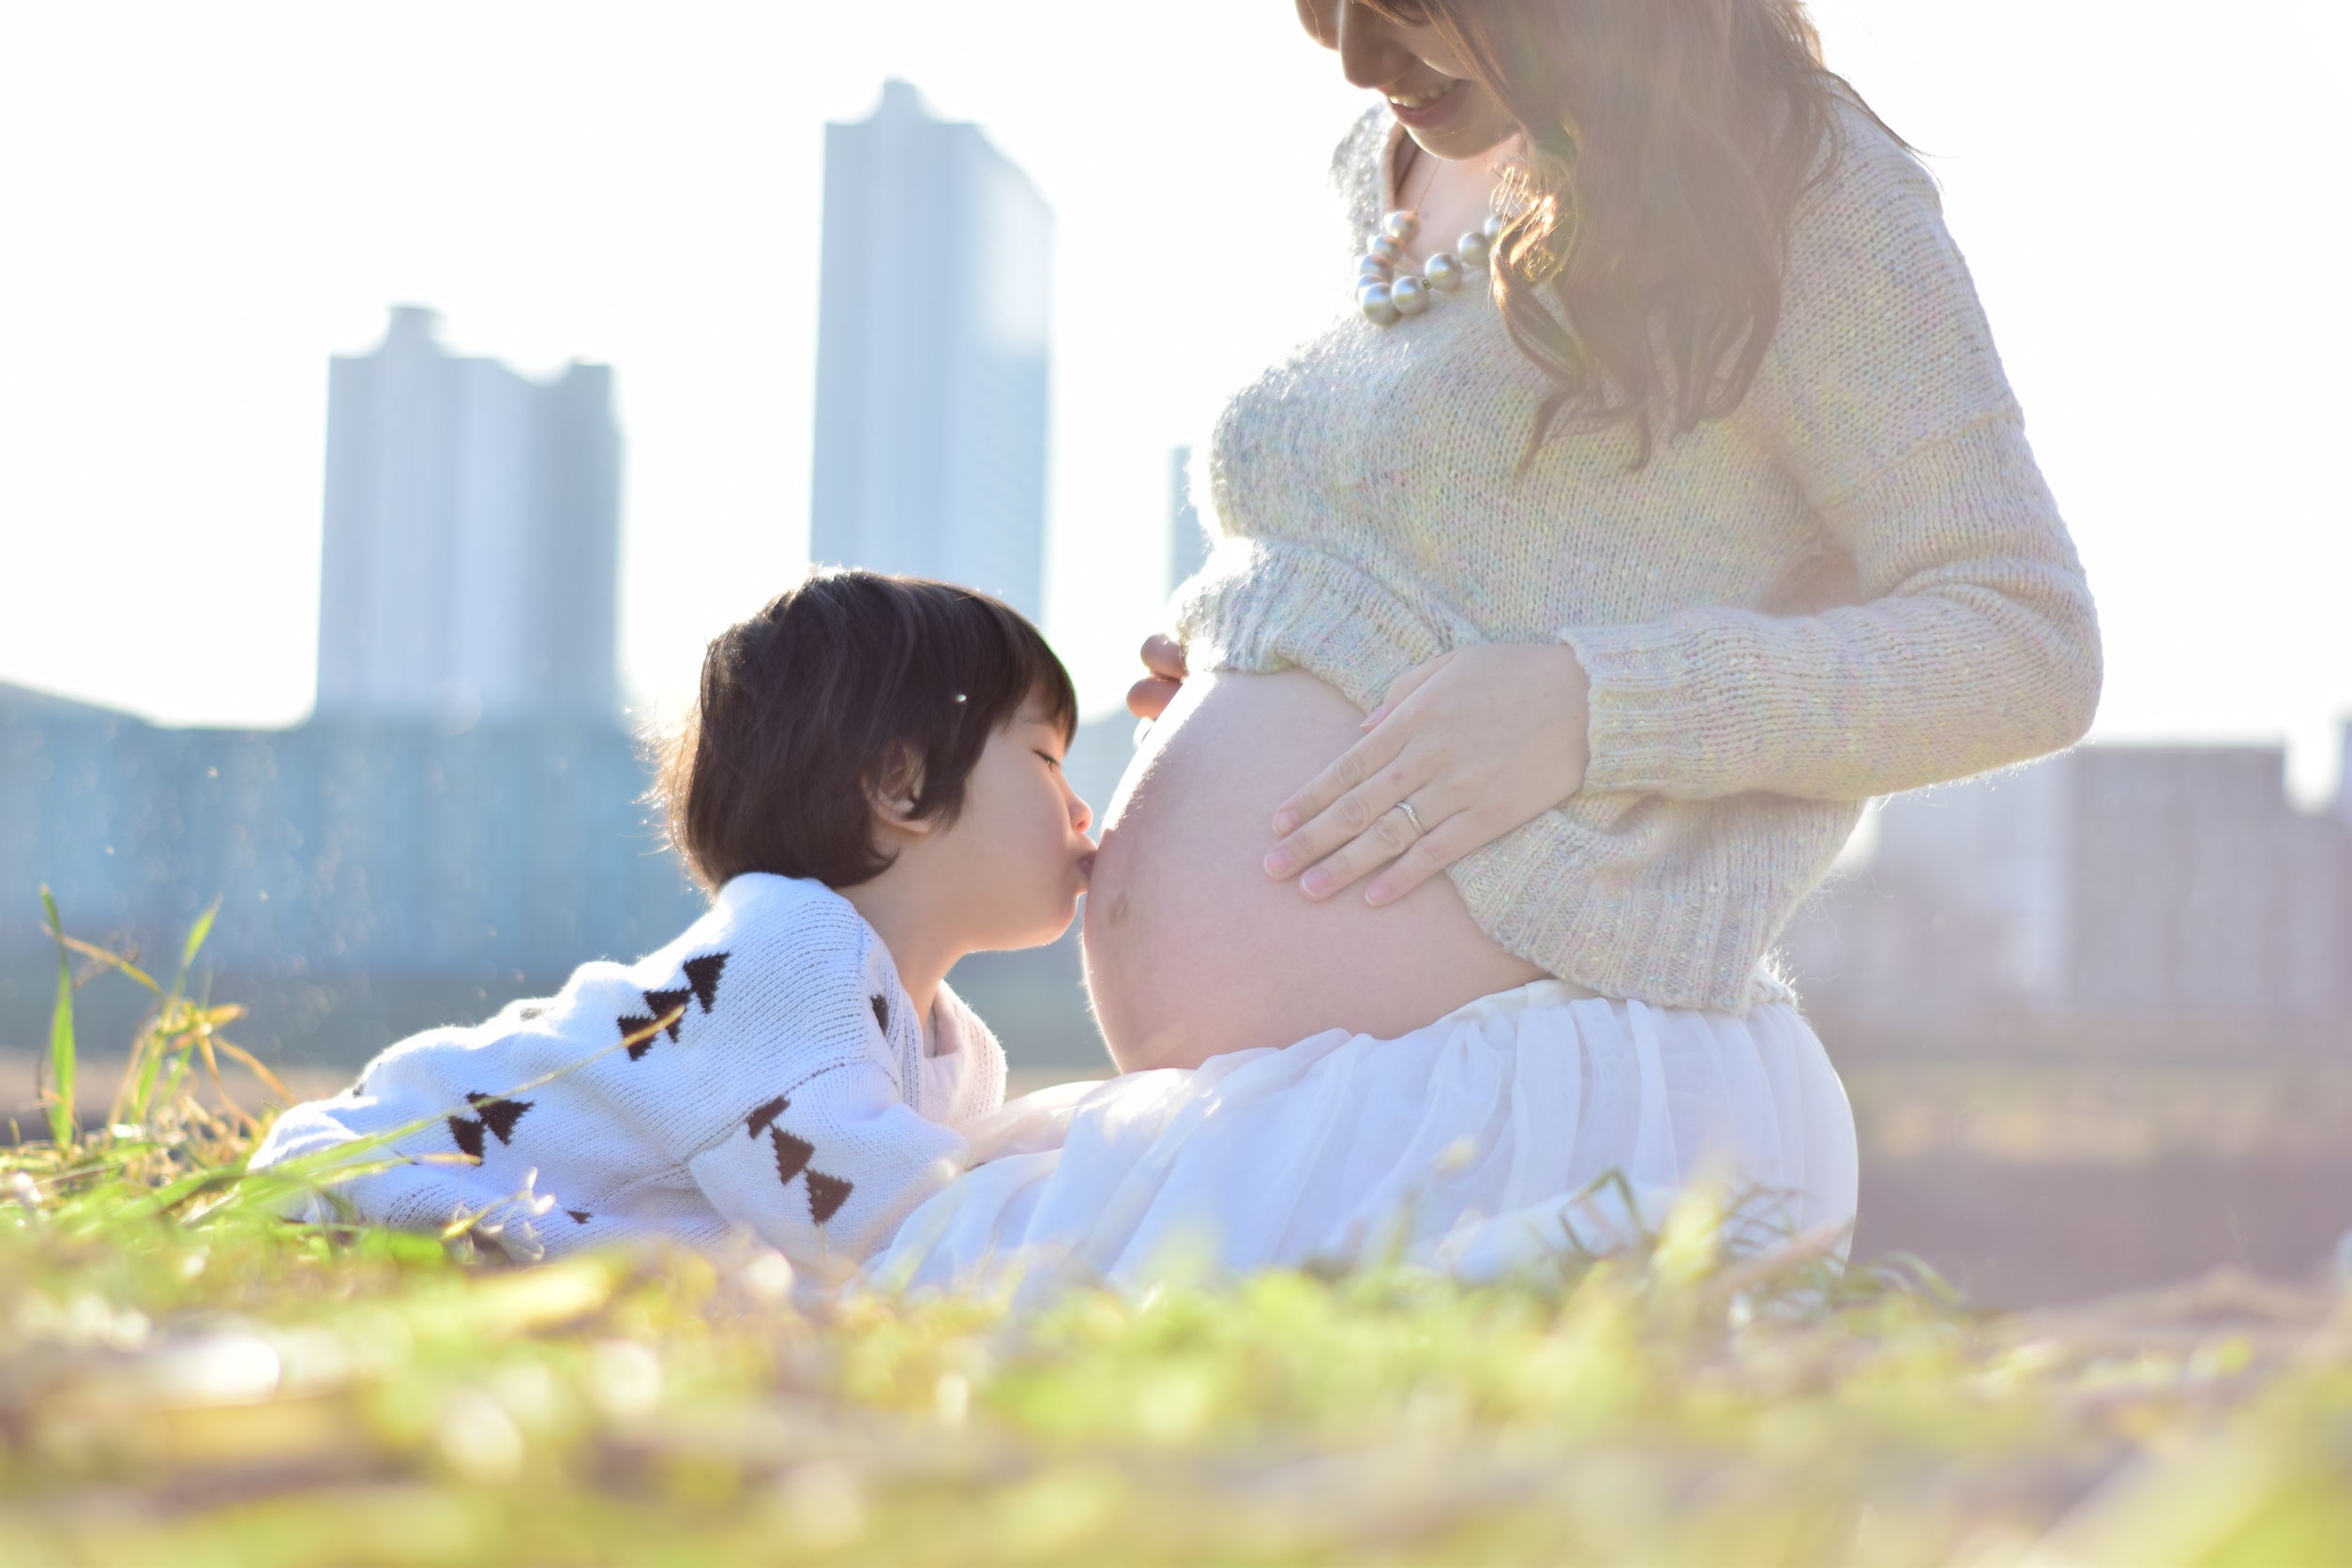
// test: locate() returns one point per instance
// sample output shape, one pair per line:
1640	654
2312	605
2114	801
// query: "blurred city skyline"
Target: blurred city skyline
463	816
222	199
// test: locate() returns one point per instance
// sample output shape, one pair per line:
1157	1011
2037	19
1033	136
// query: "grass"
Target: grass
185	1378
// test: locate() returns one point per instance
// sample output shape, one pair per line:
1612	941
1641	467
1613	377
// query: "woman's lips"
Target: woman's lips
1424	111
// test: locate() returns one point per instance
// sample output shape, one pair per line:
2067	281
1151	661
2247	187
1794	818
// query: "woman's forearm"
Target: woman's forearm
1976	648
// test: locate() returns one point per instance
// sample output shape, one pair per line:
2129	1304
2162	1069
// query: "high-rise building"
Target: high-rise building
930	452
472	540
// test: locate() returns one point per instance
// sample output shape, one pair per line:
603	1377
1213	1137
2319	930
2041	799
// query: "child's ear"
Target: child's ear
893	795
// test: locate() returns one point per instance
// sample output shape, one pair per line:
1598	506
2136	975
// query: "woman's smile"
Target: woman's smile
1428	108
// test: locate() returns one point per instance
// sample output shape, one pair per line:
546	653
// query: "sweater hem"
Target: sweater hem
1260	608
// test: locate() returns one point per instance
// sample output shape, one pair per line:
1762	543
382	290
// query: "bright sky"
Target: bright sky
204	202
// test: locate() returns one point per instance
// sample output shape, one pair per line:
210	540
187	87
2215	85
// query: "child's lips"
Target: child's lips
1086	863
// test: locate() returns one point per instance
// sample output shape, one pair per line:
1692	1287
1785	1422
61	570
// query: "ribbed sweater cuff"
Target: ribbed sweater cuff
1644	717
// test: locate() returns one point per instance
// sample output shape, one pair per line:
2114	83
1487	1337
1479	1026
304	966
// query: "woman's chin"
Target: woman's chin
1466	143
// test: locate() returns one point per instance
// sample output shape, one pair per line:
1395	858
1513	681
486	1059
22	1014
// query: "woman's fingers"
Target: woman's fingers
1164	656
1481	741
1149	696
1362	828
1353	769
1389	835
1435	849
1404	686
1356	763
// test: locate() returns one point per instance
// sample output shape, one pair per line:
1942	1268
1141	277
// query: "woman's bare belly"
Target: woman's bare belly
1193	951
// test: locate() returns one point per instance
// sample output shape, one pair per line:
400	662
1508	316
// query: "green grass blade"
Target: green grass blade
61	1051
150	1067
189	949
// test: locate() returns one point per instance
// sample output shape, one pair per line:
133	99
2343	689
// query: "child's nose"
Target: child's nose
1081	817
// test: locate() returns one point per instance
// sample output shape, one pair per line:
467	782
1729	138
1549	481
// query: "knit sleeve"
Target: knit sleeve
1974	645
826	1169
811	1139
431	1178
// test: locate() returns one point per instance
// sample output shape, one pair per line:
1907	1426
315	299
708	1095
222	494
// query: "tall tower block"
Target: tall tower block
469	566
932	355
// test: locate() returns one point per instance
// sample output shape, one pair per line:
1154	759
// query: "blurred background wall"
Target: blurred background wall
2095	1016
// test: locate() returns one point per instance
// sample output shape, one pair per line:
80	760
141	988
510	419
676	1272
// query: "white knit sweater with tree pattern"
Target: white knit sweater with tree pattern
764	1073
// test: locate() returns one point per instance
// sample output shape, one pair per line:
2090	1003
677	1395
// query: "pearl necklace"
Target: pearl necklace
1386	298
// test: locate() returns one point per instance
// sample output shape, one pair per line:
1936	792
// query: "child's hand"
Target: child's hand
1165	657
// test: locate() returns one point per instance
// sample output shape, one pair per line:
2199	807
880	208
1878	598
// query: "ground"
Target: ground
185	1377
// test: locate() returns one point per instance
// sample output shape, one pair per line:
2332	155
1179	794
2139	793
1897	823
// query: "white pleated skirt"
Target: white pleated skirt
1527	1124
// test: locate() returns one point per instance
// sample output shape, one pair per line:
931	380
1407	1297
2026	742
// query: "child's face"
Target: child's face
1018	850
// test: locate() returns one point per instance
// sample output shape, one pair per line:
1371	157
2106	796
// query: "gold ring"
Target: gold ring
1411	816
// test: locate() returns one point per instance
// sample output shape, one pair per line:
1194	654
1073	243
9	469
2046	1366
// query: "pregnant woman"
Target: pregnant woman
1651	497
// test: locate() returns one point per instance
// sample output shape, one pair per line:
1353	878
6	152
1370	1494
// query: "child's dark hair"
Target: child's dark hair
808	706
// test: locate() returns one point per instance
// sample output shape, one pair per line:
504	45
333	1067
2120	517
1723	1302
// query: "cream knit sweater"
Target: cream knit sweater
1366	519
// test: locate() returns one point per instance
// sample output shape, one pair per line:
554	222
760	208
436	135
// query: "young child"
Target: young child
870	787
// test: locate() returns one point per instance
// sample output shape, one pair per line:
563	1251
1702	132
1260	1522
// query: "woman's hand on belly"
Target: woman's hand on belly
1476	741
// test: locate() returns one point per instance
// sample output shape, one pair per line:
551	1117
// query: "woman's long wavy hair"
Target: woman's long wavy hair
1668	142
